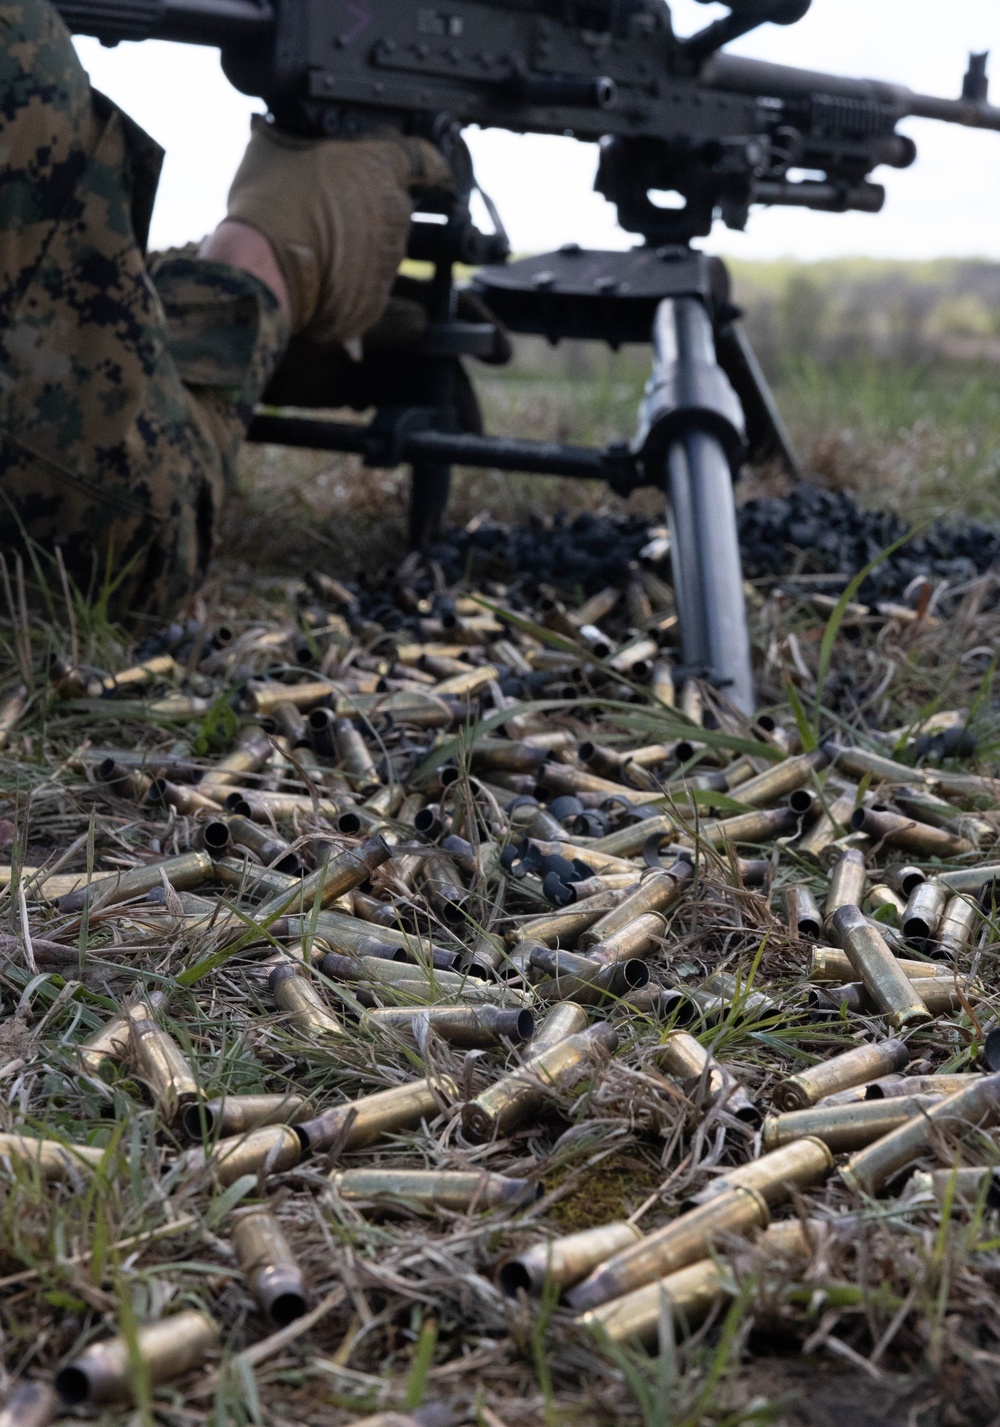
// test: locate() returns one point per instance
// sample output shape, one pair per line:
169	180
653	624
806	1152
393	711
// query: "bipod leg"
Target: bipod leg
430	486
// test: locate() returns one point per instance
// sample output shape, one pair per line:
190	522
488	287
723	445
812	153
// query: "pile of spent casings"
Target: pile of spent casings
459	891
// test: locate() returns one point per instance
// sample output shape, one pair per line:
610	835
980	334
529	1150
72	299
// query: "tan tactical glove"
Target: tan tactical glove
337	214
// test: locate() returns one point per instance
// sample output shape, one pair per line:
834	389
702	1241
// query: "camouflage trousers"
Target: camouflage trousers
123	393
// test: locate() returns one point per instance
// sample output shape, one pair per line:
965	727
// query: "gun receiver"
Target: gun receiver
608	70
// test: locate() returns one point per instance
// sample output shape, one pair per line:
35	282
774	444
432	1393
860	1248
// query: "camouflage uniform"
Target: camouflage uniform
123	395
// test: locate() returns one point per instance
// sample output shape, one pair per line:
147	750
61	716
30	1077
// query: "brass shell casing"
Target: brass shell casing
188	870
878	969
162	1067
717	994
852	1067
634	939
271	1269
802	912
781	778
847	883
895	1086
103	1372
112	1041
829	963
923	911
896	830
236	1114
970	879
687	1060
844	1127
752	827
331	880
266	844
690	1293
53	1161
361	1122
655	893
564	1261
250	755
456	1190
271	1148
829	826
961	1184
958	921
516	1096
684	1240
31	1404
978	1104
299	996
794	1165
469	1027
881	898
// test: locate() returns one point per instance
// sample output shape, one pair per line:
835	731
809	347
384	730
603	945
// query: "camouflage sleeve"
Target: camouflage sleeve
121	406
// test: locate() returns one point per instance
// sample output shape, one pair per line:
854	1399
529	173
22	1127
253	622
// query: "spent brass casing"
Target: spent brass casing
957	924
130	783
655	893
970	879
718	992
161	666
802	912
774	1175
230	1115
897	1086
564	1261
883	899
781	778
844	1127
847	883
905	877
518	1095
687	1060
578	978
565	925
852	1067
188	870
828	826
361	1122
940	995
690	1294
160	1064
683	1241
270	1149
112	1041
183	797
104	1372
635	939
896	830
965	1184
829	963
859	762
456	1190
754	827
923	911
52	1160
267	845
250	755
299	996
354	756
468	1027
31	1404
269	1266
332	880
976	1105
878	969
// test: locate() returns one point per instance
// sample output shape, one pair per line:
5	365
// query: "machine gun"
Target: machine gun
687	135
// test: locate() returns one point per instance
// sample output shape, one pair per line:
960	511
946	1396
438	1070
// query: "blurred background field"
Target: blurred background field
888	374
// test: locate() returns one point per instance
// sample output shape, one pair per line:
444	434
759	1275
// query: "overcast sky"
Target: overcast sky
947	204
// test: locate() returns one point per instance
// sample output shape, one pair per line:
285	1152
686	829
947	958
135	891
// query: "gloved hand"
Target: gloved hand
337	214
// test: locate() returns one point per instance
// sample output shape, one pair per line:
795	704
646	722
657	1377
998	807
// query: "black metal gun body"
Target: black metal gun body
722	131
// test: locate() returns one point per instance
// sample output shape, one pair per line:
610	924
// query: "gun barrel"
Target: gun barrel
193	22
779	81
